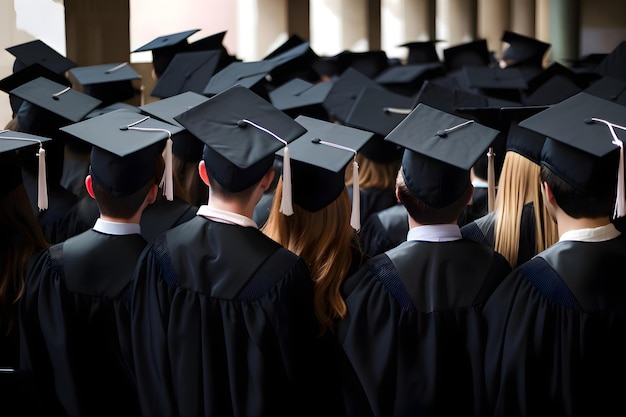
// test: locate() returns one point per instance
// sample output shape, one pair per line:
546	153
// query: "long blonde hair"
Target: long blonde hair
519	184
324	240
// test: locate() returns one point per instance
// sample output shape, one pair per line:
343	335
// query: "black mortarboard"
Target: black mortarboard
344	92
582	148
368	63
241	132
523	49
59	99
185	145
188	71
325	66
440	149
379	111
38	52
470	53
318	162
107	82
505	83
293	61
446	98
165	47
120	105
125	145
552	91
614	64
408	79
25	75
525	142
209	43
250	74
421	52
609	88
10	167
299	97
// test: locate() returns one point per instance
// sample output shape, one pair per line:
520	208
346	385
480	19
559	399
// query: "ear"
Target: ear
546	191
152	194
267	179
397	195
471	197
202	172
89	186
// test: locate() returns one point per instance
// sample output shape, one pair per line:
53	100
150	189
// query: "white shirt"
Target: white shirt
223	216
115	228
435	233
595	234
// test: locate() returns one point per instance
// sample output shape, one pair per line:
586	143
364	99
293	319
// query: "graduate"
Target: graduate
74	310
222	315
556	337
412	335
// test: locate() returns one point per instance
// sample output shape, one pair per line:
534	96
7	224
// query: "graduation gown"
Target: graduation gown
483	230
556	333
373	200
413	335
74	325
384	230
223	325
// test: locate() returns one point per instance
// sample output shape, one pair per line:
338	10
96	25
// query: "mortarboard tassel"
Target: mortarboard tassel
168	181
355	218
491	180
286	205
42	183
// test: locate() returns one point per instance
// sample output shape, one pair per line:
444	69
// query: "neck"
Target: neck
567	223
231	205
134	219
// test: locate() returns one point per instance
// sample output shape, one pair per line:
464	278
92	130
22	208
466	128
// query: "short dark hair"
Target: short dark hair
577	203
426	214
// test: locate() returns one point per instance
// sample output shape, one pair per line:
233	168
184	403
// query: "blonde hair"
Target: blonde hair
374	174
519	184
328	255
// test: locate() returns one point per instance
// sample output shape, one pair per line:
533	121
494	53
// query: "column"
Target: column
456	21
406	21
261	27
523	17
565	30
298	19
493	20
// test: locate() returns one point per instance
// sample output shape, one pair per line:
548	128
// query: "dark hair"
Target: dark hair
126	206
426	214
577	203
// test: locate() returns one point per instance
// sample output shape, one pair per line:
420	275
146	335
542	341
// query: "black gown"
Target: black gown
384	230
74	321
223	325
413	335
373	200
556	338
483	230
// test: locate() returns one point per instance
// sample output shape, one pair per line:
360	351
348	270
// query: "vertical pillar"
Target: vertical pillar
373	24
456	21
523	17
493	20
97	32
353	16
565	29
298	19
406	21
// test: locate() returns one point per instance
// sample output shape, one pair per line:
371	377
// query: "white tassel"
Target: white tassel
491	181
286	206
355	219
620	199
42	183
168	186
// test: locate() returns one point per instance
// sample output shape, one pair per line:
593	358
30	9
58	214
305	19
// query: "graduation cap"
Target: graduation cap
614	64
25	75
421	52
250	74
379	111
440	149
209	43
299	97
185	145
107	82
318	163
125	145
487	78
584	140
474	53
11	169
120	105
344	92
326	67
165	47
38	52
554	90
523	49
294	59
368	63
525	142
188	71
59	99
447	98
609	88
408	79
241	132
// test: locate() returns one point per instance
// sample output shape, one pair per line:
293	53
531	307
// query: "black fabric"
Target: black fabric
81	367
373	200
413	336
215	336
556	338
384	230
